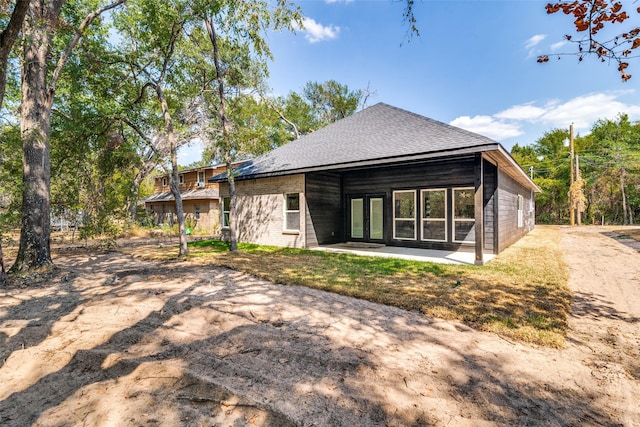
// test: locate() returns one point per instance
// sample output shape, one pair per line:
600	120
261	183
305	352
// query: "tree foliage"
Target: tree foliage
89	125
607	186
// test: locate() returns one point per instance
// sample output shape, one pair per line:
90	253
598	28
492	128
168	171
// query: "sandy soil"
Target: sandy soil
117	341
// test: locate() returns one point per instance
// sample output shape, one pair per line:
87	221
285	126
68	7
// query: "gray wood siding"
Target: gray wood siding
383	181
328	193
508	191
324	213
490	201
457	173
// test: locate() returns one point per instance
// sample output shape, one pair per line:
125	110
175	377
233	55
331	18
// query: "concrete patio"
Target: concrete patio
462	256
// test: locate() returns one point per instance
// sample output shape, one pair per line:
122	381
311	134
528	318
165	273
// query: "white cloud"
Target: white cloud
532	42
583	111
521	112
488	126
557	46
316	32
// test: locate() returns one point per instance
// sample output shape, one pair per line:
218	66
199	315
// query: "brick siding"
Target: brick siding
259	210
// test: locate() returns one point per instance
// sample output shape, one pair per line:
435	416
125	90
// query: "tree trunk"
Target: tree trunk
625	219
8	38
3	273
226	143
173	181
132	202
39	25
35	113
233	235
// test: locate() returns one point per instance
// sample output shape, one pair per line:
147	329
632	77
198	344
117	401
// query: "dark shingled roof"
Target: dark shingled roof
201	194
378	135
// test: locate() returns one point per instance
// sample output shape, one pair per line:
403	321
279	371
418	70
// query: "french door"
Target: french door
366	218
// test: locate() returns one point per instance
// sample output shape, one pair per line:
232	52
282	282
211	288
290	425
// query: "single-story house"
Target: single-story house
388	176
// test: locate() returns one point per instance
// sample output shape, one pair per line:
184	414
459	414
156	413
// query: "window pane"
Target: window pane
375	219
293	202
225	219
357	218
226	204
465	231
434	230
464	204
404	202
293	221
433	204
405	229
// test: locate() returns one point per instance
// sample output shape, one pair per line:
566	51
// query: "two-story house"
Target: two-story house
200	199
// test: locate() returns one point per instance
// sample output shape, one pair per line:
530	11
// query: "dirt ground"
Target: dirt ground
116	341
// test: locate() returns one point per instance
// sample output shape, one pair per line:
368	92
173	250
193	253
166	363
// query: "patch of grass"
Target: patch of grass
522	294
628	233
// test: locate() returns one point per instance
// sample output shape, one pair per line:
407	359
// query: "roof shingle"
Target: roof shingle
380	133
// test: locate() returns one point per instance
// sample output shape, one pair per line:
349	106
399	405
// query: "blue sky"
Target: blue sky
473	66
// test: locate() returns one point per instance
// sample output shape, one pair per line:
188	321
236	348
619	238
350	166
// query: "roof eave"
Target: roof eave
513	169
366	163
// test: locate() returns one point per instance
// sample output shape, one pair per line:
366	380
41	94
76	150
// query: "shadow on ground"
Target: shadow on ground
175	344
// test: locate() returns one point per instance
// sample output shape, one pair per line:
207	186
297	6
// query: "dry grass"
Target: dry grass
522	294
629	232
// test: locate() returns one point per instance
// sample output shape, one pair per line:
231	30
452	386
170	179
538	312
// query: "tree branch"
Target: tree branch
64	58
282	117
8	37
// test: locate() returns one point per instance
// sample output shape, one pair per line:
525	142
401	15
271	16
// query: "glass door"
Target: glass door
376	218
357	218
366	217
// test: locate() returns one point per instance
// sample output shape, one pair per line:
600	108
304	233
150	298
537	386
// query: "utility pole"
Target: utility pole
578	211
571	209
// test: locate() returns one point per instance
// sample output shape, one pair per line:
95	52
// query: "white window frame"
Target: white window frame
520	207
453	213
405	219
203	176
423	219
351	216
181	178
531	205
225	224
285	211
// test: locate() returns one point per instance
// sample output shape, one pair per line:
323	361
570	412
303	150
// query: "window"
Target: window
164	182
201	176
292	212
226	207
181	179
196	211
434	215
531	205
464	221
404	215
357	218
520	211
